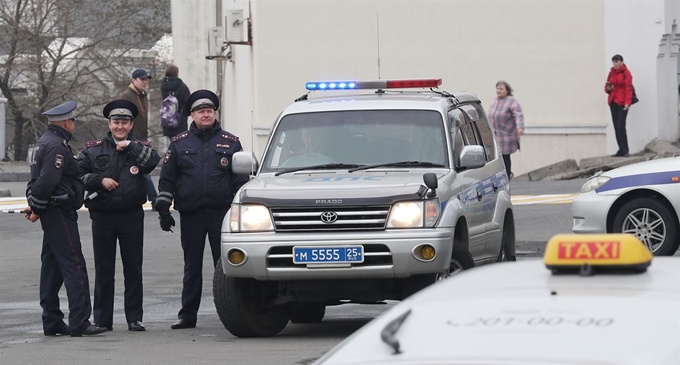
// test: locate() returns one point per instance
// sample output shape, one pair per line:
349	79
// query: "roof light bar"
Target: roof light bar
373	84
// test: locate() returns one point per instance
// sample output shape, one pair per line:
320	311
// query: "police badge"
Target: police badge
134	170
224	161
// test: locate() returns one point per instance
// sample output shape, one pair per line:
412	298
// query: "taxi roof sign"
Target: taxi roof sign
587	254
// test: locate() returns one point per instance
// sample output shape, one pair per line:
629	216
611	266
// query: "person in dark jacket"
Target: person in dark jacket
113	169
173	84
136	93
54	195
197	174
619	86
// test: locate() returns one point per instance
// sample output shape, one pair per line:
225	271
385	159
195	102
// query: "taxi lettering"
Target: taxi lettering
588	250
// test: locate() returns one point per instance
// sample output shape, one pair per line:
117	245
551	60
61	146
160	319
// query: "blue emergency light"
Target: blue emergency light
373	84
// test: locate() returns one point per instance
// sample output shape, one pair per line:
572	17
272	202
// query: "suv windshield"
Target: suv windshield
357	137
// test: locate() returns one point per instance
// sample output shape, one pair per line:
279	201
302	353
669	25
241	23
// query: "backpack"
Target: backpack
170	112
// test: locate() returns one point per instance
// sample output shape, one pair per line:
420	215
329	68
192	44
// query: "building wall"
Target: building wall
555	54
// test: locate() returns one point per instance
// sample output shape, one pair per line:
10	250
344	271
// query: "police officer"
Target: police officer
197	174
113	170
54	195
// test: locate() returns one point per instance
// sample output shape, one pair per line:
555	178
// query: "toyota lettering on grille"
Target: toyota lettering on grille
329	217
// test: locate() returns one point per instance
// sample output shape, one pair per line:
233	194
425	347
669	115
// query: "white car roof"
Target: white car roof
367	100
520	313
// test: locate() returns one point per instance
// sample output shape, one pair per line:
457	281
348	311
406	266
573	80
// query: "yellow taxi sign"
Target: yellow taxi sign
596	251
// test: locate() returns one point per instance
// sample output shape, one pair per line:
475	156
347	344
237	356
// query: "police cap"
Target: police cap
61	112
200	99
120	109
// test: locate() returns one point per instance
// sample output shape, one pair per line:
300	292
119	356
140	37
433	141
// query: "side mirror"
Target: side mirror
430	180
472	157
244	163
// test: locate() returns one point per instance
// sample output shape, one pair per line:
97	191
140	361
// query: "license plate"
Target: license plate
328	255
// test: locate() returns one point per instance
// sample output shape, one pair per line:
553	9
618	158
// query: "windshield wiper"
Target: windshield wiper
399	164
387	334
320	167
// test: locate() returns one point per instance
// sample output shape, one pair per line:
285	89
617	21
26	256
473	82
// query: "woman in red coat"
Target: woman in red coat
619	86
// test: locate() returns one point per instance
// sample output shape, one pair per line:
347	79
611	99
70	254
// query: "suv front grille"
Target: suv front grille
330	219
374	255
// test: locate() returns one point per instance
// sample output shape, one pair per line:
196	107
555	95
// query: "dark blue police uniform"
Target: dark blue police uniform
117	215
196	173
55	193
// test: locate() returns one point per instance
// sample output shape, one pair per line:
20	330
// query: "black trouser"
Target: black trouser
195	226
508	164
63	262
126	227
619	118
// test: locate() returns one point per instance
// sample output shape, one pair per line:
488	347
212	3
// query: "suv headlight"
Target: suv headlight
414	214
250	218
594	183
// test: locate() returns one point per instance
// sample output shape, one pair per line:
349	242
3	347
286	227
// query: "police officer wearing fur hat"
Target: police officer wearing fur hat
196	174
113	170
54	195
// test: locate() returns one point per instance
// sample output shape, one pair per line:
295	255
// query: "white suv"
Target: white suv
361	197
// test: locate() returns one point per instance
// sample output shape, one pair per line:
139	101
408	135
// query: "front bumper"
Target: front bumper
589	211
388	254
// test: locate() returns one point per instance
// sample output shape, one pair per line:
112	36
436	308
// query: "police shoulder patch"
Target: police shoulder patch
58	161
93	143
167	156
229	137
180	136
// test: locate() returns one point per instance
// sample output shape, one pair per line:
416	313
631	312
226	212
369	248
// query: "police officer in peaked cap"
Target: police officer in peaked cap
54	194
113	170
196	174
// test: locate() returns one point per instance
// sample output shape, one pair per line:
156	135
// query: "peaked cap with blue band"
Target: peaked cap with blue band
61	112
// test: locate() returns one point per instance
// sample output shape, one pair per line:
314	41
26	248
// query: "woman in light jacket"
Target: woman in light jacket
507	121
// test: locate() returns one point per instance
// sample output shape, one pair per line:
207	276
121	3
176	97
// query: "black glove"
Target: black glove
167	222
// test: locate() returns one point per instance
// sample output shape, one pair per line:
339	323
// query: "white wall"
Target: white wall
191	20
555	54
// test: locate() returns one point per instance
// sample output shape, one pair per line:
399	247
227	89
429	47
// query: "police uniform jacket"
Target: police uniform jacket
54	173
100	159
196	170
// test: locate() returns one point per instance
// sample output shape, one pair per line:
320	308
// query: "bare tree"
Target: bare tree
56	50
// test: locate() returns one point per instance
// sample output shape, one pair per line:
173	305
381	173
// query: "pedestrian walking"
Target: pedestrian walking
54	194
619	87
113	170
172	85
507	120
136	93
196	174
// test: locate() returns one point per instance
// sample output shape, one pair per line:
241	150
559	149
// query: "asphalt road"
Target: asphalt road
22	341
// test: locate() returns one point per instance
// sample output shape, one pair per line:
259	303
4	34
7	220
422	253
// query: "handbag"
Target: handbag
634	99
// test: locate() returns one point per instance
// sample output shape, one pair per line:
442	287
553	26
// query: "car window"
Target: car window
476	114
357	137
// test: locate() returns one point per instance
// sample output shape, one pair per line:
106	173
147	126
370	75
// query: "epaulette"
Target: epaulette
180	136
93	143
229	137
146	143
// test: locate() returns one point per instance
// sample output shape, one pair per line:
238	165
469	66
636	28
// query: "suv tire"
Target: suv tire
244	308
307	312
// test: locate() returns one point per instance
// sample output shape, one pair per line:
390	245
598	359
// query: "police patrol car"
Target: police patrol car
361	198
601	300
641	199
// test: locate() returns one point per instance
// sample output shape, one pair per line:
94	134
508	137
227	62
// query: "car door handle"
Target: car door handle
495	187
479	195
